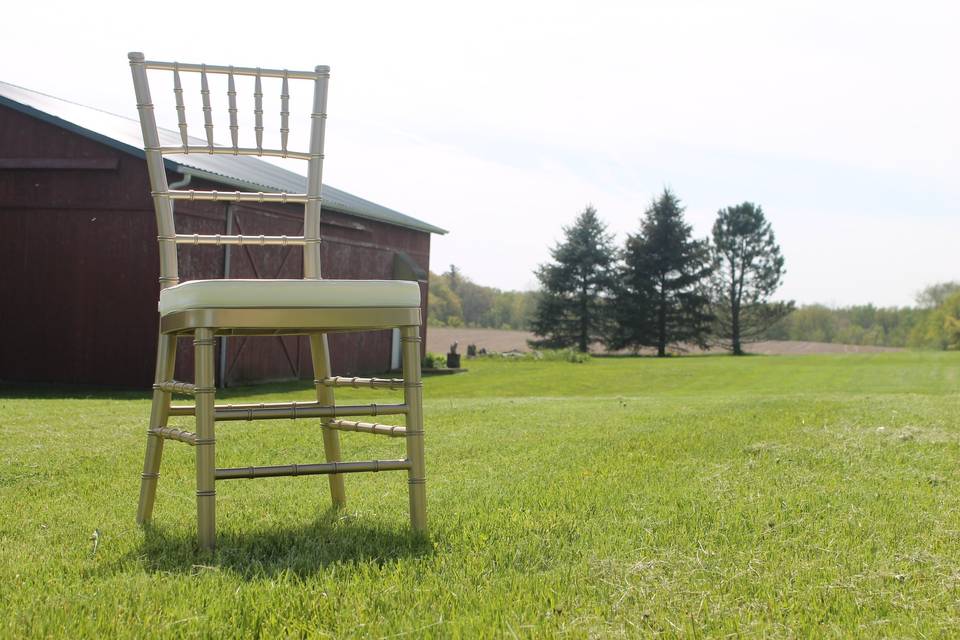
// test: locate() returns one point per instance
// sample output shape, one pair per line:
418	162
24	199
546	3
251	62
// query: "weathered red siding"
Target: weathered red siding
79	266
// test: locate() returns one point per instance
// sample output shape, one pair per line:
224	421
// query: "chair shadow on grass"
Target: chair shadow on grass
333	538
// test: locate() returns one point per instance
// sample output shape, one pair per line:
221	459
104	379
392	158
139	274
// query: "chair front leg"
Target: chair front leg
320	354
413	398
205	397
159	411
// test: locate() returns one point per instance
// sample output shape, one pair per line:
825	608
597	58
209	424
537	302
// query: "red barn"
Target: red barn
78	251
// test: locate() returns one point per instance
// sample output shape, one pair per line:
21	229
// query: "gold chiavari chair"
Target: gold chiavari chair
204	309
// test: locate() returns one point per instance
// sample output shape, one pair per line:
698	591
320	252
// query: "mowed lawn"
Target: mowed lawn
714	496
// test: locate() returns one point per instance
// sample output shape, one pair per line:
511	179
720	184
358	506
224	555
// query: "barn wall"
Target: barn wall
79	262
75	245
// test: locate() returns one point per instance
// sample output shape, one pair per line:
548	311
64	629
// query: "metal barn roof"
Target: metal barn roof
242	172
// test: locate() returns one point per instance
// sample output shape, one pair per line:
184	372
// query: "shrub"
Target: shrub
546	355
563	355
434	361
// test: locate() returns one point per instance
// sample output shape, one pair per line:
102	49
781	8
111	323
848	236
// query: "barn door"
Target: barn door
259	358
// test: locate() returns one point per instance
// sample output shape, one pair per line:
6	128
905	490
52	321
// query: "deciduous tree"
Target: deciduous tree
748	269
936	294
941	327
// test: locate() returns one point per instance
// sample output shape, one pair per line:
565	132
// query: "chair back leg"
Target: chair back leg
320	354
204	392
413	398
159	412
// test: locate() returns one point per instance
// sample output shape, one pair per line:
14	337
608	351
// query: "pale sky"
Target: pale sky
500	121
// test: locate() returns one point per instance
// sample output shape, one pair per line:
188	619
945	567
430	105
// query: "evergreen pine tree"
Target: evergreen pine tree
572	306
748	268
662	298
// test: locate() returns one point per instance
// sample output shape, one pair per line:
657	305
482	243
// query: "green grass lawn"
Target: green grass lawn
701	497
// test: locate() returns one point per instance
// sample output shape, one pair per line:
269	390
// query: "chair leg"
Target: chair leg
166	355
205	397
320	353
413	397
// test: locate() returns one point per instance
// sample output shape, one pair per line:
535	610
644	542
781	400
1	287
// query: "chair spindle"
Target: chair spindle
258	111
181	109
284	113
207	111
234	127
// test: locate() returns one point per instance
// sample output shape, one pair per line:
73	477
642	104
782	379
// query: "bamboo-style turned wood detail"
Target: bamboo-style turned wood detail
175	434
242	151
159	411
236	196
368	427
291	411
203	376
320	359
181	108
232	97
231	72
284	113
312	209
356	383
207	110
219	240
321	71
258	111
172	386
413	398
312	469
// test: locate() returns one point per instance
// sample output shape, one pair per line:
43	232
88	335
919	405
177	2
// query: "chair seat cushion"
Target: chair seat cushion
299	294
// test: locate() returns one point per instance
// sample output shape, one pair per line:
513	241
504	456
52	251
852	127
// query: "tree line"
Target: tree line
934	323
664	287
457	301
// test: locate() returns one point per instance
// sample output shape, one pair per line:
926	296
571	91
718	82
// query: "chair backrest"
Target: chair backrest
163	196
